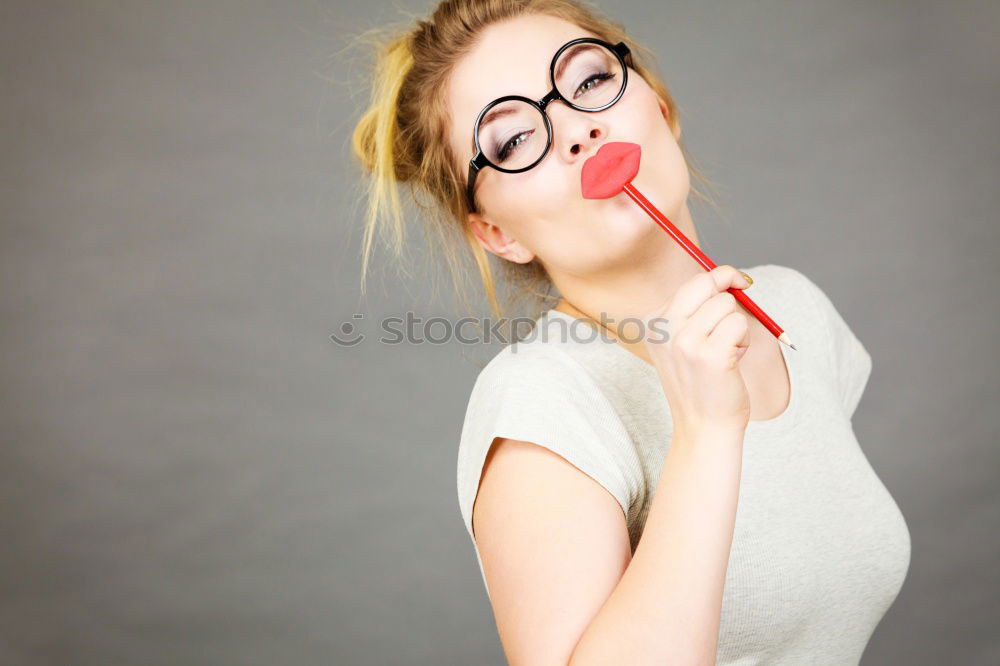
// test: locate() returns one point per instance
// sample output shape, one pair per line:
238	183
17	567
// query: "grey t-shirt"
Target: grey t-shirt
820	548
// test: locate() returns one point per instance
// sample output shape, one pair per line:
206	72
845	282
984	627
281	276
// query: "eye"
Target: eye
602	76
504	152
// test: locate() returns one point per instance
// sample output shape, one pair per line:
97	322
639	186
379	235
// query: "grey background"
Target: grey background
193	473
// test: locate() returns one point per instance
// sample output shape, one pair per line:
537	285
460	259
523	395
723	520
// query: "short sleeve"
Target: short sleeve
851	362
543	396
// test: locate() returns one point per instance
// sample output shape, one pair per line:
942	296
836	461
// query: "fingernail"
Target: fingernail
749	279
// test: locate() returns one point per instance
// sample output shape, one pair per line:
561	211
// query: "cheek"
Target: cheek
641	110
537	193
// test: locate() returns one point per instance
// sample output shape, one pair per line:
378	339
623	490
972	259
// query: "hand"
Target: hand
697	349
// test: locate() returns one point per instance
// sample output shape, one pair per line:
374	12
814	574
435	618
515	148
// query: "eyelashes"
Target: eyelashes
503	150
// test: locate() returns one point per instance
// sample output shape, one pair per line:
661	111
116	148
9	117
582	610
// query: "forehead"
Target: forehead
509	58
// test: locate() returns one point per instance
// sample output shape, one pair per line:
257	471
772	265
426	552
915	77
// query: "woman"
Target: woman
633	497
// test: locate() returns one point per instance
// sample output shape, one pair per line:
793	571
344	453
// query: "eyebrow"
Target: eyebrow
561	65
495	112
573	52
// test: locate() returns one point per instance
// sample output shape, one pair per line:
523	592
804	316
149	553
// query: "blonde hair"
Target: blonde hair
402	138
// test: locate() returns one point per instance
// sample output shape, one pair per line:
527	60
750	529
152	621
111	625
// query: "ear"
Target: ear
666	114
494	240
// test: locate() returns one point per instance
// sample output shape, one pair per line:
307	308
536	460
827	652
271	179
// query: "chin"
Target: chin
627	225
630	212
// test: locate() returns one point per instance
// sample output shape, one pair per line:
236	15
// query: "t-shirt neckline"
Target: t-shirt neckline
790	365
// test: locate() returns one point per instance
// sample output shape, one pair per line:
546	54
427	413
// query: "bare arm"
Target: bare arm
666	608
667	605
564	586
554	543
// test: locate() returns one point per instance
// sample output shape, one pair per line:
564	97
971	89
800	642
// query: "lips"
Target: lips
607	172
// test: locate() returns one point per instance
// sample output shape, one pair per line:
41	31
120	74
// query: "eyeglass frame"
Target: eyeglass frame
479	161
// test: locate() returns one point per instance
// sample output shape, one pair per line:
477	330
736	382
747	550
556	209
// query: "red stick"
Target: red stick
705	262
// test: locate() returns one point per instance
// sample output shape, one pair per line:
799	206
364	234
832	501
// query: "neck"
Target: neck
639	288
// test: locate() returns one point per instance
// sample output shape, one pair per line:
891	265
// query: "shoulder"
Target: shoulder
535	392
541	357
534	375
787	277
780	277
822	307
842	352
792	291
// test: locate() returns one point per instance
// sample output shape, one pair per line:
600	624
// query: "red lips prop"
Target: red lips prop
606	173
610	171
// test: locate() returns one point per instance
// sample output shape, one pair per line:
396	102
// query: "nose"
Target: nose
576	134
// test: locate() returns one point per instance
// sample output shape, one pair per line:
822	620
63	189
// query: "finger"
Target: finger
708	316
698	290
732	334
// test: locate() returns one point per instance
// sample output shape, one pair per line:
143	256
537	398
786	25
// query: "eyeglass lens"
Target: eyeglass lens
513	134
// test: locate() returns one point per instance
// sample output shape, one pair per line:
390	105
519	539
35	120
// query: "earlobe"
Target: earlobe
493	239
665	110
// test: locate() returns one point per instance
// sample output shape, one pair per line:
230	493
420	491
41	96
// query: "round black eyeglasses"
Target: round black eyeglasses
506	134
